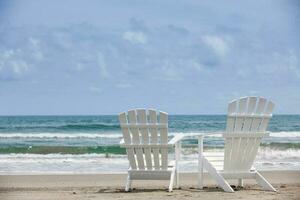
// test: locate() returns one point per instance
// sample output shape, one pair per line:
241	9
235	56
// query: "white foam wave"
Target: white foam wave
295	134
263	154
285	134
59	163
99	163
278	155
66	135
56	158
58	135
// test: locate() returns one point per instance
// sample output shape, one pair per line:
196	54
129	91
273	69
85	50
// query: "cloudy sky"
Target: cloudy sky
183	57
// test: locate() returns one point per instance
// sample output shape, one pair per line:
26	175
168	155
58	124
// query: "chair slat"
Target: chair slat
227	153
252	154
132	118
164	139
127	140
230	126
260	108
265	121
241	150
250	142
235	152
125	131
241	110
250	110
142	118
231	120
154	138
239	122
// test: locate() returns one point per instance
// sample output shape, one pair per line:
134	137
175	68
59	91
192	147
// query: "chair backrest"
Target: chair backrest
247	121
145	138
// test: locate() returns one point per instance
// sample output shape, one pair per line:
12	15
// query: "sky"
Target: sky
78	57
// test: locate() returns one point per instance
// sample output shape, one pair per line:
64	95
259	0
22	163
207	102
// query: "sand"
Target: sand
111	186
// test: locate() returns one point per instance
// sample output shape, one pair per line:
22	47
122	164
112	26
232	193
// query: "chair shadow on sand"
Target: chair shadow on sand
187	189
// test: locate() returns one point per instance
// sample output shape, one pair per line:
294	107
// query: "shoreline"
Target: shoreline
121	173
110	186
118	179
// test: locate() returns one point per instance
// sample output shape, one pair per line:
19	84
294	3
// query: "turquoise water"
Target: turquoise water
92	133
110	123
28	143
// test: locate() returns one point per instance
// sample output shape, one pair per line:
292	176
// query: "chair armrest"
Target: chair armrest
201	134
176	139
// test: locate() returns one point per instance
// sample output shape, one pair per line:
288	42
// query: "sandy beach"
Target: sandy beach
111	186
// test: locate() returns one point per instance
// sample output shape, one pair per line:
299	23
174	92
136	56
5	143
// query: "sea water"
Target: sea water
89	144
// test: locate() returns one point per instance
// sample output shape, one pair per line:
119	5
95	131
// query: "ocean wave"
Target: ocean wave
91	126
285	134
74	135
264	154
70	126
55	156
57	163
278	155
100	163
62	135
64	150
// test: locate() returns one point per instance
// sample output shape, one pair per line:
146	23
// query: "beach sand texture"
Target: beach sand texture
111	186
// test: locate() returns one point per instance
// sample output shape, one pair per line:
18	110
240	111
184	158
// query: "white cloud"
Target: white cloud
16	62
19	67
102	65
79	67
254	92
34	42
12	65
135	37
123	85
170	56
36	49
170	72
218	44
244	72
38	55
293	64
196	65
278	64
95	89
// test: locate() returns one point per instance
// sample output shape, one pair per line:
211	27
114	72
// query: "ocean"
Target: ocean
89	144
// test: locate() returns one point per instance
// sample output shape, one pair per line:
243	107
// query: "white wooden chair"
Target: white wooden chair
247	121
146	143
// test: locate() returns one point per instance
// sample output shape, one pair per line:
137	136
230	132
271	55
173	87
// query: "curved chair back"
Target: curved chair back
145	134
247	121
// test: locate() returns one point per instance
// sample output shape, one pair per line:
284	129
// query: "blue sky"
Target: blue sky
183	57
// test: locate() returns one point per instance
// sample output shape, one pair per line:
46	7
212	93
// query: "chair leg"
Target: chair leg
263	182
128	183
177	157
176	180
218	177
172	181
240	182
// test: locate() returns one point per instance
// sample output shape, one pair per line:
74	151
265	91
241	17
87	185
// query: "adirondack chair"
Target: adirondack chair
247	121
146	143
